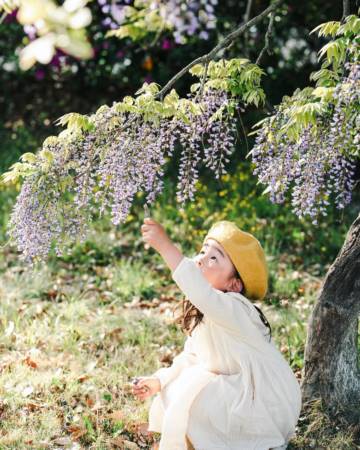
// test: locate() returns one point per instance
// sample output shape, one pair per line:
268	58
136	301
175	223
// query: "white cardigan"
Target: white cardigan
230	388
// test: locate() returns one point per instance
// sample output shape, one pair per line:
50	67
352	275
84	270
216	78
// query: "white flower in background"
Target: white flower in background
53	27
80	19
41	50
73	5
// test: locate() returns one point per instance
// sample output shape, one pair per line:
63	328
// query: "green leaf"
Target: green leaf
334	50
351	26
28	157
194	87
47	155
327	29
325	93
76	121
197	70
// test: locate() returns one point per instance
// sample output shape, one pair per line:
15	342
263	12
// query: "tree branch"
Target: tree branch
267	38
222	44
346	9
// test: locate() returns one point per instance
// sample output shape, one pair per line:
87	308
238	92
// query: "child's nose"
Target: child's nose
200	260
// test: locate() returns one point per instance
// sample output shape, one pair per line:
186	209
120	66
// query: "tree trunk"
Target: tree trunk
331	370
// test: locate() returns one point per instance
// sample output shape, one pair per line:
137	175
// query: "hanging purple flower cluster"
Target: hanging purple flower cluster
186	18
101	167
208	134
321	161
190	17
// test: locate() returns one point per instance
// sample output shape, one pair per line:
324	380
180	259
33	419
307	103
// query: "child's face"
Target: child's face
217	267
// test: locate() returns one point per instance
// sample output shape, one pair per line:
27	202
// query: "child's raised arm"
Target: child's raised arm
155	236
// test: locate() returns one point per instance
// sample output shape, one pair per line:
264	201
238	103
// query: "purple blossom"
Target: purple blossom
187	18
321	163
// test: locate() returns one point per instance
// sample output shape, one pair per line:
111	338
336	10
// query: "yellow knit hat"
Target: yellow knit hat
246	254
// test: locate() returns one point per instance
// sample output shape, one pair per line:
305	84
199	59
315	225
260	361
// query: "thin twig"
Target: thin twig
222	44
248	10
346	9
246	19
267	39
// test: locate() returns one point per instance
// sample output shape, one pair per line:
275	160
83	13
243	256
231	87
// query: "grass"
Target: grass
74	333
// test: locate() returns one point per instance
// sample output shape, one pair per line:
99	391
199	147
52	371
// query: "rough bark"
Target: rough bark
331	370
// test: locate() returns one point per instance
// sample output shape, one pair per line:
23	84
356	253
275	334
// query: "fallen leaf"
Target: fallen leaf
30	362
115	333
51	294
90	401
167	357
77	431
82	378
33	406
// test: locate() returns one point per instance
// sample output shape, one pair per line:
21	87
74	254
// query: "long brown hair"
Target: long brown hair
190	316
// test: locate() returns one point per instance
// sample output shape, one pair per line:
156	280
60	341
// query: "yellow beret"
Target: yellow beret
246	254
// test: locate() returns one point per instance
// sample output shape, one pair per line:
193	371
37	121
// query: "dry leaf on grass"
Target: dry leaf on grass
33	406
30	362
77	431
89	400
115	333
82	378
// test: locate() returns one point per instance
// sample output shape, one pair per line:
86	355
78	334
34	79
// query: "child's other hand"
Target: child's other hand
154	234
146	387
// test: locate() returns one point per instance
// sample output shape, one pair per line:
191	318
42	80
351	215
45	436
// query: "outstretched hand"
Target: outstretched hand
154	234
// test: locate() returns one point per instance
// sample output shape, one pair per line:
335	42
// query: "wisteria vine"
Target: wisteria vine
311	145
321	162
101	162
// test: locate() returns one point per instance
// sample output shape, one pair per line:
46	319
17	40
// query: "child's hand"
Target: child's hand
154	234
144	387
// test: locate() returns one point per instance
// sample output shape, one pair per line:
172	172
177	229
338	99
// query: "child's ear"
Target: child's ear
235	285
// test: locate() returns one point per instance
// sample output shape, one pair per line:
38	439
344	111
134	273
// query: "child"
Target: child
230	388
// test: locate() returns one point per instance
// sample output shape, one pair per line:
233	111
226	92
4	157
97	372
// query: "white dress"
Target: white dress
230	388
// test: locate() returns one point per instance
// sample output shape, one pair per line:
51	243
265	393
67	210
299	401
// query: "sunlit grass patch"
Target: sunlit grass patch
134	278
66	364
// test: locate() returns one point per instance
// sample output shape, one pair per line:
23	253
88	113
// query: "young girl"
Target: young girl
230	388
